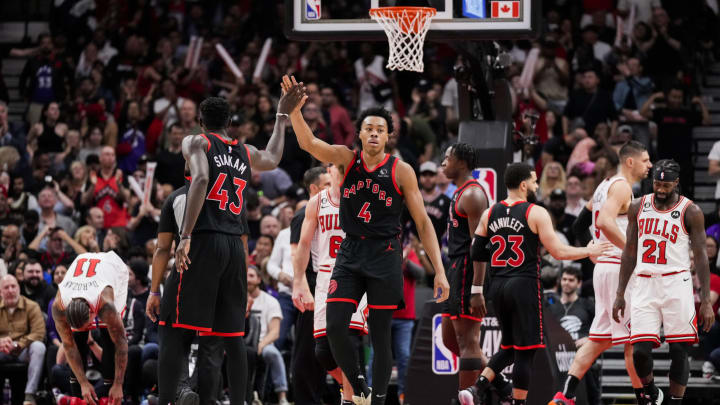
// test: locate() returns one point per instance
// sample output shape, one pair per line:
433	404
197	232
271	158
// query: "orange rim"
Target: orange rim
406	14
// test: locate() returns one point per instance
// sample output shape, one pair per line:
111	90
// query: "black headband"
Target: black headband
665	174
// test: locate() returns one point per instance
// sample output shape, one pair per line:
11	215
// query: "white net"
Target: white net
406	29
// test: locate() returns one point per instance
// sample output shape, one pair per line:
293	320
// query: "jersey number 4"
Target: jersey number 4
516	241
90	270
217	193
364	213
650	246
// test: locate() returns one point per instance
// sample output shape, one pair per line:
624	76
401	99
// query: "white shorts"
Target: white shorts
606	277
664	301
358	320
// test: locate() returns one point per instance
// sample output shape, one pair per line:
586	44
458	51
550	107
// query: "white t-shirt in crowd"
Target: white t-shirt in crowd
267	308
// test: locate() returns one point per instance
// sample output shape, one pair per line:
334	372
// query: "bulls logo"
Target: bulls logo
675	214
332	287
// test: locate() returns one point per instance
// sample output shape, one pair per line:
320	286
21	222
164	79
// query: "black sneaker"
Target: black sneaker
188	397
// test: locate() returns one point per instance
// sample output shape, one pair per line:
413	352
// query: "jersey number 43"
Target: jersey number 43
217	193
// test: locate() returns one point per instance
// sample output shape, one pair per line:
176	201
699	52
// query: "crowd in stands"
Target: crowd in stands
108	93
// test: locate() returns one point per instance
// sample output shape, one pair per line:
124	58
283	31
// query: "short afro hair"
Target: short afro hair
215	113
375	112
464	152
516	173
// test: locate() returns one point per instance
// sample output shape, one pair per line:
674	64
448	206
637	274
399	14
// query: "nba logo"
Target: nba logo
312	9
487	177
443	360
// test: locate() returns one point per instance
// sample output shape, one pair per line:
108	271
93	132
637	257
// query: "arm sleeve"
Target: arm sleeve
581	226
479	250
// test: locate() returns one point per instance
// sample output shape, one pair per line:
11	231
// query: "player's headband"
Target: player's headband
666	174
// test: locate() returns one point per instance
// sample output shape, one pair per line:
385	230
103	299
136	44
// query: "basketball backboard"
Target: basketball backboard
459	20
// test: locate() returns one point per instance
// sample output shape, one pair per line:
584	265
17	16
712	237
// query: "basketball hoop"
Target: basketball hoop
405	28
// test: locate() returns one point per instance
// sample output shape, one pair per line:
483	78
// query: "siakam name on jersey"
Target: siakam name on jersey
230	161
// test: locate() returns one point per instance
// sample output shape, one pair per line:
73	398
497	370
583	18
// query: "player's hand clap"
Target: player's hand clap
598	249
477	305
296	93
442	287
181	255
618	308
707	316
88	393
301	296
292	96
115	395
152	308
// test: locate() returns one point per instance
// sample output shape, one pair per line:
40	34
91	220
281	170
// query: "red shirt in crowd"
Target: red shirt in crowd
106	198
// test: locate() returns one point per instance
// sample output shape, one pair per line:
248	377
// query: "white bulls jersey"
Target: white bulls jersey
599	198
90	273
323	250
663	241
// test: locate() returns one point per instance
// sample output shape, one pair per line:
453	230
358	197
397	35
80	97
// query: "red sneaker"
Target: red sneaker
561	399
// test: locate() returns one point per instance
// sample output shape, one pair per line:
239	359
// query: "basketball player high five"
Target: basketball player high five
369	259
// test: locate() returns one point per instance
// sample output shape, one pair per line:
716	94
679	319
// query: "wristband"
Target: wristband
157	294
185	237
282	115
476	289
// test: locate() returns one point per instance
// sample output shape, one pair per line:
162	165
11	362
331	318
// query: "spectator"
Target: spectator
170	161
47	199
643	9
188	118
263	250
549	279
23	329
444	184
96	219
630	94
107	191
574	195
268	309
55	251
10	135
374	89
576	314
319	128
132	141
711	245
341	126
50	132
588	105
92	144
42	79
562	220
34	286
275	183
664	56
138	282
552	178
166	107
10	243
529	102
269	225
30	225
280	268
552	74
675	121
20	199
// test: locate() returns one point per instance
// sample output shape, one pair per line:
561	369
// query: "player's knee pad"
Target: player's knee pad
501	359
679	365
471	364
642	358
324	356
522	368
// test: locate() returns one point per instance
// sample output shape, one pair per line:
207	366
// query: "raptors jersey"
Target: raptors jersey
90	273
323	250
663	241
458	227
599	198
515	247
229	163
371	201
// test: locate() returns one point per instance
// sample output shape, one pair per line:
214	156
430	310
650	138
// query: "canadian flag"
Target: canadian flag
505	9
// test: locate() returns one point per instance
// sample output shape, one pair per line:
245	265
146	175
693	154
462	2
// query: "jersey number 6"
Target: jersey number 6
217	193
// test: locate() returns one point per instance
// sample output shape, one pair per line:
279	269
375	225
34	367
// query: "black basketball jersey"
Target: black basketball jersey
229	163
371	203
458	226
514	246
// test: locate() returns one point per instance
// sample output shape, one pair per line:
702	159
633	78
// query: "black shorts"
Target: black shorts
211	295
518	308
368	265
460	277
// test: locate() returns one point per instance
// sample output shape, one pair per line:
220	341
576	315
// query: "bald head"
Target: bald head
269	225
